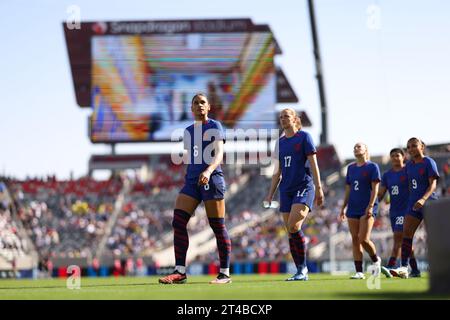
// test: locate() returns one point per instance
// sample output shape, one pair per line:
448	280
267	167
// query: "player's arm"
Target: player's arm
216	161
344	205
373	197
431	188
276	178
381	192
319	197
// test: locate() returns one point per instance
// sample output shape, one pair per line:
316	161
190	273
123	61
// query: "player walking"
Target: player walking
296	169
204	182
362	182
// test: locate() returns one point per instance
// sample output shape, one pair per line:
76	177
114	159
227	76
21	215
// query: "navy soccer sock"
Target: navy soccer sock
223	241
406	251
180	236
300	248
358	266
392	262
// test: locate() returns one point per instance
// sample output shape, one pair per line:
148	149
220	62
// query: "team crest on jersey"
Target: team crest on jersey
297	147
421	171
402	178
365	173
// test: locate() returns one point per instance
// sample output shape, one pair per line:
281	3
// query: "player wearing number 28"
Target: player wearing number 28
203	142
422	178
361	190
395	183
297	174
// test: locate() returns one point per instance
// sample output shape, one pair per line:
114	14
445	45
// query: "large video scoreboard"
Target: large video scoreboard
139	77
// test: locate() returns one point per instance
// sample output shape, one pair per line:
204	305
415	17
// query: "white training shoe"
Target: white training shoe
401	272
358	276
386	272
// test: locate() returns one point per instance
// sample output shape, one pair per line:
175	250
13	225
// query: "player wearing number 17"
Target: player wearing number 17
203	142
296	167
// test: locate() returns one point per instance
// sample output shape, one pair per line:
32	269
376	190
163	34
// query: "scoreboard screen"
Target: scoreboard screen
142	84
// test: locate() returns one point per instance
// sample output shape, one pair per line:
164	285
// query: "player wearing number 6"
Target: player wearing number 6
296	167
204	181
361	190
395	182
422	177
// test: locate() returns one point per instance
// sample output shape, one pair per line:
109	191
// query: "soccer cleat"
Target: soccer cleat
401	272
358	276
174	278
386	272
415	274
221	279
301	275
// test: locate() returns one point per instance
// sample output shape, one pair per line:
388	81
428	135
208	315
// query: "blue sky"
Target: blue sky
383	86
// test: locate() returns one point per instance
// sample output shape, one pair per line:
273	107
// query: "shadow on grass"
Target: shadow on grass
394	295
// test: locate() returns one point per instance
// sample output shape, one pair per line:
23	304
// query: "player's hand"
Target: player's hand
369	212
319	197
203	179
342	216
419	204
267	202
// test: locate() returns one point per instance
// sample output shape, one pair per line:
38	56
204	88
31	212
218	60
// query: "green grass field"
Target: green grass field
248	287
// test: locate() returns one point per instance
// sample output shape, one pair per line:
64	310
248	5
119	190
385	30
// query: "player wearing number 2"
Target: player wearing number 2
422	178
361	190
395	182
296	168
203	141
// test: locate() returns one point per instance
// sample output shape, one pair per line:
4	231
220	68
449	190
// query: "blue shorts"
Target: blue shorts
214	190
415	213
397	221
304	195
358	215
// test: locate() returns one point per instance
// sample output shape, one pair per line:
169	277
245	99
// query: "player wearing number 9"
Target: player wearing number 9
295	170
422	177
204	181
361	190
395	183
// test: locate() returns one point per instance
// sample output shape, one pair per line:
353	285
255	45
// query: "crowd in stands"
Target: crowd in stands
68	218
64	218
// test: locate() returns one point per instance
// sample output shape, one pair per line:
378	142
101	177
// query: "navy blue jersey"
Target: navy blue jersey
418	175
198	141
396	183
293	155
360	181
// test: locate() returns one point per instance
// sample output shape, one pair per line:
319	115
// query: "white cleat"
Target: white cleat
386	272
358	276
401	272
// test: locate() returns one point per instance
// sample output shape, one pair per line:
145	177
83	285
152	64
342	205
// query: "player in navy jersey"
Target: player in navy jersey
204	181
395	183
361	190
422	178
298	176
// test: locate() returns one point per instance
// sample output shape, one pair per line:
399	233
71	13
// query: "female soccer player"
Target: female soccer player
395	182
204	182
361	190
422	178
295	156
